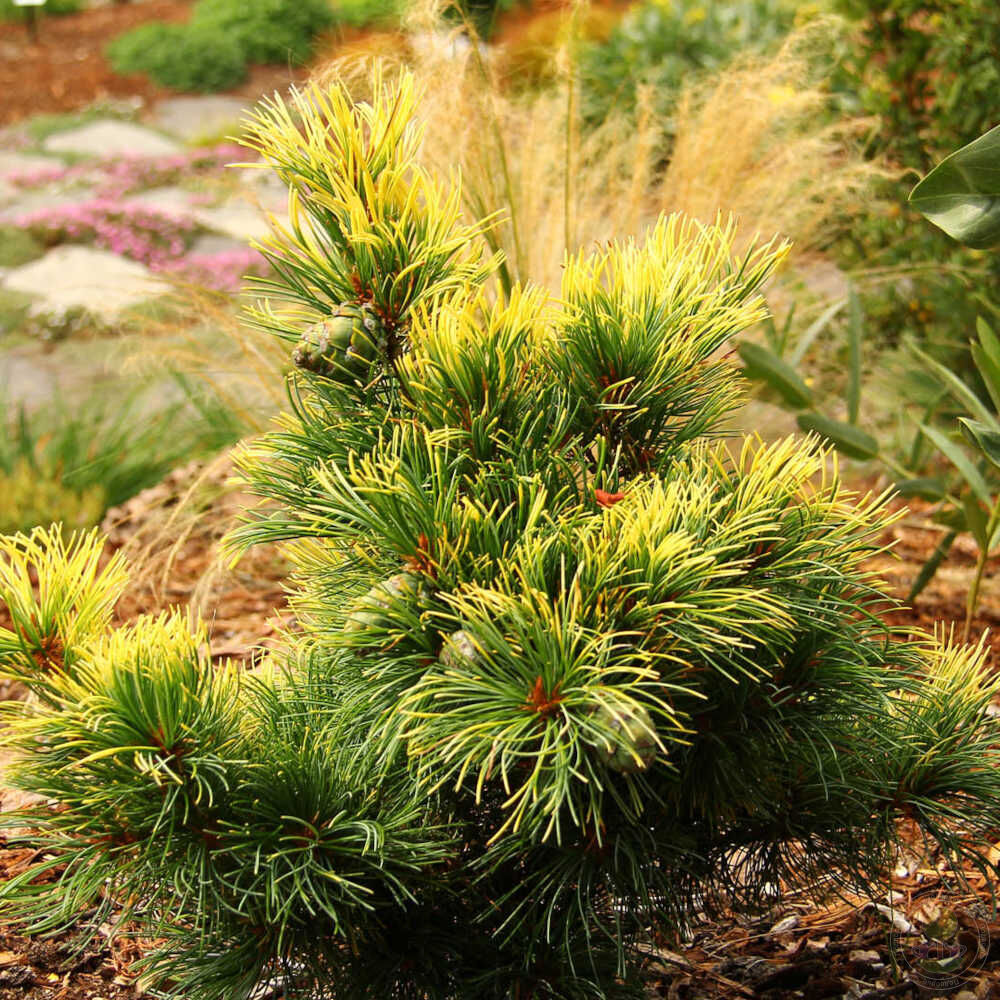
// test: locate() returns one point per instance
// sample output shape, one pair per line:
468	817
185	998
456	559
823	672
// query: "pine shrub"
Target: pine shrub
571	666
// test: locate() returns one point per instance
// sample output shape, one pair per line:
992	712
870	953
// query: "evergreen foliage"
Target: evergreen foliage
572	666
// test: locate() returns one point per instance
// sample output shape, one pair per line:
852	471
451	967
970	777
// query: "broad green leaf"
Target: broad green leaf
986	439
763	365
989	340
986	354
952	518
855	331
926	488
815	328
953	452
976	519
846	438
958	389
989	370
932	565
961	195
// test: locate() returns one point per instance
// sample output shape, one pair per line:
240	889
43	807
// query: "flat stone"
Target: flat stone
27	382
27	202
25	163
111	138
211	244
237	220
197	118
174	200
74	276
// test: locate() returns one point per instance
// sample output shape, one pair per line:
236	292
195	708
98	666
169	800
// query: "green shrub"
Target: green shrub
927	71
186	57
14	310
481	15
267	31
663	43
18	246
368	13
570	672
30	499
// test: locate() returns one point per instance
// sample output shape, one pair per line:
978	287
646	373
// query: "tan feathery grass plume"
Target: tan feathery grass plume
757	140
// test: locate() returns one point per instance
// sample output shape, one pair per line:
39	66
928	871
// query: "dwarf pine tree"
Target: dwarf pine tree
571	667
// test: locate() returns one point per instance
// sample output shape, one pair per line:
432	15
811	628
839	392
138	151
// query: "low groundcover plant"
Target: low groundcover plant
572	667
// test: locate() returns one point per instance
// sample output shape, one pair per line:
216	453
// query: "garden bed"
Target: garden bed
67	69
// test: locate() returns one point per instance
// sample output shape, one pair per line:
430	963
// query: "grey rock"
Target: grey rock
25	163
111	138
195	118
73	276
213	244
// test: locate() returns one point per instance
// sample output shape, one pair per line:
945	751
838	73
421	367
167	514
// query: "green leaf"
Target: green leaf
989	370
976	519
961	195
855	332
989	340
932	565
926	488
986	439
953	452
763	365
815	328
846	438
958	389
986	355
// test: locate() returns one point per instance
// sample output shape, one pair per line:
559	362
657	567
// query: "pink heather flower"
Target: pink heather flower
140	233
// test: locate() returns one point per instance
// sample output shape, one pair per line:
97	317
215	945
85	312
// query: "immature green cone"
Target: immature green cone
342	347
459	651
636	746
370	610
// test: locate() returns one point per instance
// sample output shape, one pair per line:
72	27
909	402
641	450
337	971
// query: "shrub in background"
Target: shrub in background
531	58
189	57
570	672
17	246
369	13
662	44
212	50
927	71
267	31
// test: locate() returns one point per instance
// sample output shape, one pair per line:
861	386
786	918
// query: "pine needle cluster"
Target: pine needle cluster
572	666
